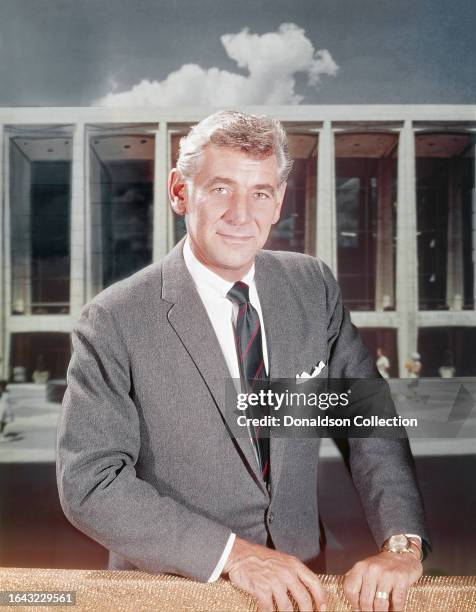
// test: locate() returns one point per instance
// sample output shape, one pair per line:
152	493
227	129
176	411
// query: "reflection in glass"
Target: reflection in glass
382	344
445	183
39	356
40	198
366	175
122	194
295	230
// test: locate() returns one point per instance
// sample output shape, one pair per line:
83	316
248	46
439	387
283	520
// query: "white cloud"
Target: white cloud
272	61
112	83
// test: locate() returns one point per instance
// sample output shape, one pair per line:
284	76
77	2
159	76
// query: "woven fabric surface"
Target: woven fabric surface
133	591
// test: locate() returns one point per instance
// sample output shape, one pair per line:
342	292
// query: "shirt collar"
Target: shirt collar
209	281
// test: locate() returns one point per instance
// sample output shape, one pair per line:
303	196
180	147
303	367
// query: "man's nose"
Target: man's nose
238	212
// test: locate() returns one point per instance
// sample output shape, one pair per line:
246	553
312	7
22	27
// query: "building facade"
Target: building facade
385	195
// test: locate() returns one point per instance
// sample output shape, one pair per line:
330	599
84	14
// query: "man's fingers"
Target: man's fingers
282	600
273	576
301	596
367	590
352	585
315	587
380	583
265	600
399	595
262	594
383	592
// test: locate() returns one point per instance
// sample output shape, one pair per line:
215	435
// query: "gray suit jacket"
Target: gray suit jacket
145	464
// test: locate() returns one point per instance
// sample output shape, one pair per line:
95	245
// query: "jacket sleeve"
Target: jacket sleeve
383	469
98	444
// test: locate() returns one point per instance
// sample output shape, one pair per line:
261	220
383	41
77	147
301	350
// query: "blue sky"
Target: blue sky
76	52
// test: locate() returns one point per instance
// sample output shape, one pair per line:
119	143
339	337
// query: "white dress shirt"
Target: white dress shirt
222	313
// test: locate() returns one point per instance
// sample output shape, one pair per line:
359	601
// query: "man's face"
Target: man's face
229	206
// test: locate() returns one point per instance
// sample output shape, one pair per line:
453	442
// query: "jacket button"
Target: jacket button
270	517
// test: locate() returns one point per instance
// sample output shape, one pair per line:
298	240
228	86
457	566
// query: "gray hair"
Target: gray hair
258	136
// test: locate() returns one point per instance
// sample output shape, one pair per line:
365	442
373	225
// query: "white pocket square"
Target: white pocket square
300	378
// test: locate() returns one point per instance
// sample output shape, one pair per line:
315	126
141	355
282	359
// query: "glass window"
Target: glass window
122	196
366	178
295	231
447	351
445	219
39	356
175	134
40	202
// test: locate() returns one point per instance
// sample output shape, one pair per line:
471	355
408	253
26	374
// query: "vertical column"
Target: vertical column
19	226
326	243
77	296
160	242
407	261
92	220
94	228
473	220
384	281
454	270
5	247
171	238
310	212
3	292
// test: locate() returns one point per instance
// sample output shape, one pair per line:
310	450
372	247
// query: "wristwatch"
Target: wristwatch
401	544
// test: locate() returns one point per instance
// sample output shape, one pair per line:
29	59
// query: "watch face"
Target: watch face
398	543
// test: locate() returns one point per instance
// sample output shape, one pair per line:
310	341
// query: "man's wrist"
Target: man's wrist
417	550
235	552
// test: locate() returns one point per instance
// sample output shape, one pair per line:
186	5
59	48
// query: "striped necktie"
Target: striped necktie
251	363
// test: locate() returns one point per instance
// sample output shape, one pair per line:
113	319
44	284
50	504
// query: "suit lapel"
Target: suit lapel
278	306
190	321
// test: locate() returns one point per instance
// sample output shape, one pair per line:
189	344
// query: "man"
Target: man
146	465
6	412
382	363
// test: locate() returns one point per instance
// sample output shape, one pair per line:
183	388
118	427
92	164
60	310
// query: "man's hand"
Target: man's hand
268	574
386	573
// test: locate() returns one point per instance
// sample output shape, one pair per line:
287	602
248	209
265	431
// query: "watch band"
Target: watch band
419	549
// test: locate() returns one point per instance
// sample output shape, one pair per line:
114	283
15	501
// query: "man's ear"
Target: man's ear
280	200
177	190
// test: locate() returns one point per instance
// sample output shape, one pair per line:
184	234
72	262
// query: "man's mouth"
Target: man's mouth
234	237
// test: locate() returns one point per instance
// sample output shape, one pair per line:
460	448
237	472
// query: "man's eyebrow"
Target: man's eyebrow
264	186
219	179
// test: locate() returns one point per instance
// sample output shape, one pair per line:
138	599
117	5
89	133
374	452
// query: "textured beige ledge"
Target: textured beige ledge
114	591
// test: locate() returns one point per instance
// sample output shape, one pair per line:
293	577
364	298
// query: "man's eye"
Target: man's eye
261	195
219	190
